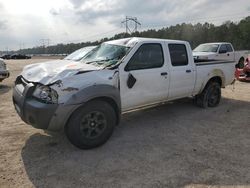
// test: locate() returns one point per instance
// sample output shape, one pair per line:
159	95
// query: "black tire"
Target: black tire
210	96
91	125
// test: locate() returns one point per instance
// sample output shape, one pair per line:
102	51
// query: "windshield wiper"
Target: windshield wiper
96	61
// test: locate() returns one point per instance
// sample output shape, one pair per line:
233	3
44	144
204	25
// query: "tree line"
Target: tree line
236	33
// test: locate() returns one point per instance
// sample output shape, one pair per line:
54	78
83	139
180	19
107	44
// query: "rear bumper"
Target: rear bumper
4	74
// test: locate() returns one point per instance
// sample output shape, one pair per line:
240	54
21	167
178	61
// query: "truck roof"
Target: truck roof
130	42
217	43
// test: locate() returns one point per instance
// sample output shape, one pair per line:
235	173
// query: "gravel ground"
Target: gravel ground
174	145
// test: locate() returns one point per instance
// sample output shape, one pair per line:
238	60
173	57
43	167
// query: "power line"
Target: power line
46	42
203	19
91	36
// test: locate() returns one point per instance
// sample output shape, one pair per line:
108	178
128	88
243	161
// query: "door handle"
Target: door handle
228	54
188	71
164	74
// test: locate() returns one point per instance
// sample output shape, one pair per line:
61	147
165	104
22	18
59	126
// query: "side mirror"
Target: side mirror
131	81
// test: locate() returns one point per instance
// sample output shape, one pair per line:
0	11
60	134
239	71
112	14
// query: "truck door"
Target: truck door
182	71
144	76
226	53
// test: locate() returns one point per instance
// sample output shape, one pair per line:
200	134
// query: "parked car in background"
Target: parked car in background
79	54
86	98
219	51
242	73
6	56
20	56
4	72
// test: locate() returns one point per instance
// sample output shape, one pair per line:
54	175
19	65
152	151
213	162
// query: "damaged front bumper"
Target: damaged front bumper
243	75
36	113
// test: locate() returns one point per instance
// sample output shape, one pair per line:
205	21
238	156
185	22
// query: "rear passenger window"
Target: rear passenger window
223	49
148	56
178	54
229	48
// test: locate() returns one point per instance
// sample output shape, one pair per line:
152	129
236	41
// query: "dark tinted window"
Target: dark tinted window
223	48
229	48
146	57
178	54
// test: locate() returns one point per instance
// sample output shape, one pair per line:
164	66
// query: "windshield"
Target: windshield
79	54
207	48
106	55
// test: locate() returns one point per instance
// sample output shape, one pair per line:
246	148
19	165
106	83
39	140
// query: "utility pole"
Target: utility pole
44	42
7	49
133	20
48	42
21	47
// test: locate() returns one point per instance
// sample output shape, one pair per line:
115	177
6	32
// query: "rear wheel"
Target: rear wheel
91	125
210	96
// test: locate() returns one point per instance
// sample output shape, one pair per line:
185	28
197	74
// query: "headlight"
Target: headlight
46	94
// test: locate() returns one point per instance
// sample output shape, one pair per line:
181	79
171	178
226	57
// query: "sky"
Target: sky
25	23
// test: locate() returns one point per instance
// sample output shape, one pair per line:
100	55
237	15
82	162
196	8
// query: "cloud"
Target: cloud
77	3
3	21
76	20
3	24
54	12
150	12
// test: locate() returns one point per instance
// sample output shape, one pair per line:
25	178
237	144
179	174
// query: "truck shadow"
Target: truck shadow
4	89
174	145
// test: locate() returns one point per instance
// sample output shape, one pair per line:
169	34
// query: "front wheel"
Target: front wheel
91	125
210	96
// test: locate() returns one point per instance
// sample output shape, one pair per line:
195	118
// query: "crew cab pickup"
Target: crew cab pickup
219	51
87	98
4	72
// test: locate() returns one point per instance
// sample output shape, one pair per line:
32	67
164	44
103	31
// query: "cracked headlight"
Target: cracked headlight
46	94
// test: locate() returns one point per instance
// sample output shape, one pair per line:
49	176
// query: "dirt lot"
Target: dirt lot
175	145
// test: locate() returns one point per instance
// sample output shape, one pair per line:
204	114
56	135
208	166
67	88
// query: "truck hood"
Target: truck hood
51	71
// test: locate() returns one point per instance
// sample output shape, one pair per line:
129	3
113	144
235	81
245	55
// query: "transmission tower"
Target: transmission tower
45	42
131	21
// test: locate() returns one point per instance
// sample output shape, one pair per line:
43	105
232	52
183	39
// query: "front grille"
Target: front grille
248	74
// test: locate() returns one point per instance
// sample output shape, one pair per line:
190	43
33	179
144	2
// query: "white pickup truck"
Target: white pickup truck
4	72
87	98
219	51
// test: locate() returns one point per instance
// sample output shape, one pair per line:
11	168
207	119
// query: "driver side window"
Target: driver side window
148	56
